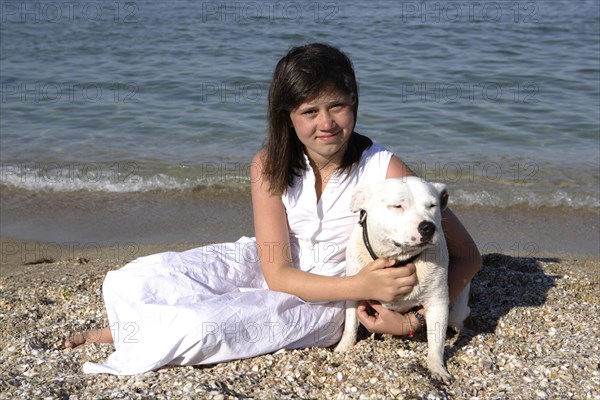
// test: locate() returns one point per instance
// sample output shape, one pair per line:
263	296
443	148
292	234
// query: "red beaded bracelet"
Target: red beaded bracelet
420	318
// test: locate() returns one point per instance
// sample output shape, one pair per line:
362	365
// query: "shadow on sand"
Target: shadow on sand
506	282
503	283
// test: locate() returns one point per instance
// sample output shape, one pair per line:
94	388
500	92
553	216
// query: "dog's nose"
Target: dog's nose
426	229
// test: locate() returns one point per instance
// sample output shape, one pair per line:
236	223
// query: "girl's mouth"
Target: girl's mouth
328	137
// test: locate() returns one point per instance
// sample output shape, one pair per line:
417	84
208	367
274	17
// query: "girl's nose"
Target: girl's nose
326	121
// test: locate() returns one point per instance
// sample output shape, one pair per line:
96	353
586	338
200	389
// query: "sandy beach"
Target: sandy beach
536	312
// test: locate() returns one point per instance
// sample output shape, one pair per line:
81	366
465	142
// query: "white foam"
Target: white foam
105	179
504	198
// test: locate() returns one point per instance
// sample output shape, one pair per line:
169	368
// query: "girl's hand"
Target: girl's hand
378	319
380	282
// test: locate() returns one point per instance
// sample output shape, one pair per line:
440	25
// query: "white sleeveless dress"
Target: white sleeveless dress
212	304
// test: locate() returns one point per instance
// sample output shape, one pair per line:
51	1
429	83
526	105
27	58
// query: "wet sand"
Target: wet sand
128	221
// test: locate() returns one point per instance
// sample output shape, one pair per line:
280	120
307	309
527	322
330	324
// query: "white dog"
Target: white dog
401	219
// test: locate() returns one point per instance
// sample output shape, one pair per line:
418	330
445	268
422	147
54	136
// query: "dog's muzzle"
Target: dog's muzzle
399	263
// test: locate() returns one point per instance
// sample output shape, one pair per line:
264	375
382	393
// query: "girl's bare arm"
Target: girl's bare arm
272	237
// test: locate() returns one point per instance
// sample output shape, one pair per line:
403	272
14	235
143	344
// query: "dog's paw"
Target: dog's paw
343	346
346	342
467	333
438	370
469	323
442	375
463	336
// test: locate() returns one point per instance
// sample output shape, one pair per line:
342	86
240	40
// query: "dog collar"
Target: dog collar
362	221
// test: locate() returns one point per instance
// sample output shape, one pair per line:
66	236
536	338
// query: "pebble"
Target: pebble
532	339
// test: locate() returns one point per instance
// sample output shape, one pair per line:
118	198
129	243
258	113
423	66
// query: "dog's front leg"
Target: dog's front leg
437	322
350	329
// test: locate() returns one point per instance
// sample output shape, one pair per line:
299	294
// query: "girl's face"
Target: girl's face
324	126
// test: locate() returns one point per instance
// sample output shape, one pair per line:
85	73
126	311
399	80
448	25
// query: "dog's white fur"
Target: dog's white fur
394	210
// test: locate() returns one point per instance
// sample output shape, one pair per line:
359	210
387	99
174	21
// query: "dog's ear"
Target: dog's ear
444	199
443	192
359	199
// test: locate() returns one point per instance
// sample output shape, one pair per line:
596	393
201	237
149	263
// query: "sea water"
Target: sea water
498	99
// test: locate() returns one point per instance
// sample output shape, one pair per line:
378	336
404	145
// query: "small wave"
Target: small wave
99	178
506	199
114	178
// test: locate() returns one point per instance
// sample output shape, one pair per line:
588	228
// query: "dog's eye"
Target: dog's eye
396	206
432	205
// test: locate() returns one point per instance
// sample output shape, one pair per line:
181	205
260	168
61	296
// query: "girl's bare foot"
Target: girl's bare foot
73	341
102	335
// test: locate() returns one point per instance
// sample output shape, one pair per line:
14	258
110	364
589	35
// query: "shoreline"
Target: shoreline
128	221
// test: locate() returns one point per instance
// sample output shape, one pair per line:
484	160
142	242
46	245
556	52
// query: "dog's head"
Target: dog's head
403	215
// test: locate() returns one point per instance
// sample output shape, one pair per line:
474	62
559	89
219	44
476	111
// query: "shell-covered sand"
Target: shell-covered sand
536	336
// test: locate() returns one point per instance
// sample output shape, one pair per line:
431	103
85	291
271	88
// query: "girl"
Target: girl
285	288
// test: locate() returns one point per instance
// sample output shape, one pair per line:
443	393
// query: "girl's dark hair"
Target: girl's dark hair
302	75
